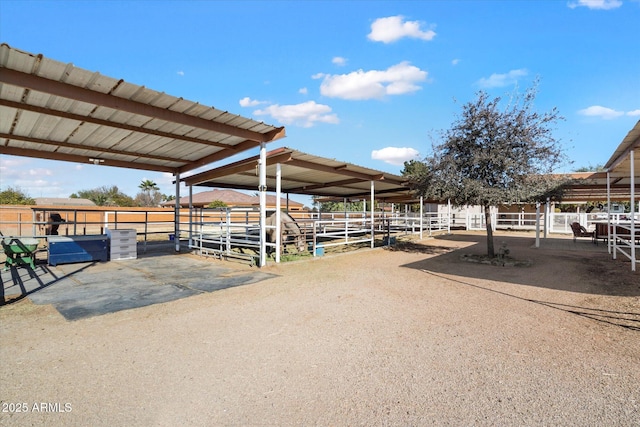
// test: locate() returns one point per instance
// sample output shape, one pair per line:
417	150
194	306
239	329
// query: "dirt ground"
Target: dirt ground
411	335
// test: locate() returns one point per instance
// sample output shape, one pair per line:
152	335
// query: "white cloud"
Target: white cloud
358	85
248	102
634	113
501	80
39	172
395	155
180	73
303	91
601	112
392	28
11	169
12	163
306	114
39	187
596	4
455	61
166	180
339	61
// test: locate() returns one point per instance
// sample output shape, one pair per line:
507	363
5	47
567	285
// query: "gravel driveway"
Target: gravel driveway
411	336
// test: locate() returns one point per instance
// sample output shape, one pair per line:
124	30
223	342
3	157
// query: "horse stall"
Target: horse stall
225	233
234	233
350	229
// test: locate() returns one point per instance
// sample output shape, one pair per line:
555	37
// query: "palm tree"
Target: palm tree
147	186
150	196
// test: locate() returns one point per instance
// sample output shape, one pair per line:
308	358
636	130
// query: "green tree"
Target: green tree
217	204
147	186
15	196
107	196
590	168
338	206
494	155
414	168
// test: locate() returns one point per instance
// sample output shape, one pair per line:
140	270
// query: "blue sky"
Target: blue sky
365	82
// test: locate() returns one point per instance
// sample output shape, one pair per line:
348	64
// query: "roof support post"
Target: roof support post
176	215
278	214
190	216
633	211
421	215
467	218
547	217
364	211
373	225
537	224
262	191
609	239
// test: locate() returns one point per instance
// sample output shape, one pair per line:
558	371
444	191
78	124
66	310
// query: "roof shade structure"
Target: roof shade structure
619	165
54	110
592	187
618	174
307	174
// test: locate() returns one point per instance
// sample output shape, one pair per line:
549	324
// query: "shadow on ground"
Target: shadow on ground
581	269
558	264
89	289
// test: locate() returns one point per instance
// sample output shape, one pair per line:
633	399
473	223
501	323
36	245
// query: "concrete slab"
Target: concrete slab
90	289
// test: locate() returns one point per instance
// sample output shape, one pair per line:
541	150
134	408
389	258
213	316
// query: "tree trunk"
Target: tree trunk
487	219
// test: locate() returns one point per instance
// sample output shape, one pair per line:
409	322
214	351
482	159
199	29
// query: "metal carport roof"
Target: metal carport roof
307	174
593	185
619	165
54	110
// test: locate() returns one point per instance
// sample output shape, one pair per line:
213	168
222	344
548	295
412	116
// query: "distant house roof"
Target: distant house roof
63	201
271	201
231	198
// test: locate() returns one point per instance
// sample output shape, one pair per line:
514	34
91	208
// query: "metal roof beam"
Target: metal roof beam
86	147
380	192
77	93
51	155
340	170
233	168
220	155
88	119
327	184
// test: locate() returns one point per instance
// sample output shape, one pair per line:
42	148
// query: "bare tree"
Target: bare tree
150	195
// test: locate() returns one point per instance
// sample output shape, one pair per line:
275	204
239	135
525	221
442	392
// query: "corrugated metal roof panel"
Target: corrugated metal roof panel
307	174
81	112
620	162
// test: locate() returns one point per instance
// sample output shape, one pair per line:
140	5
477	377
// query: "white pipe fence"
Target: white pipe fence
235	232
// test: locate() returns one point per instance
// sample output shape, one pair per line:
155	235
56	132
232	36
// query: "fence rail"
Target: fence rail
234	232
150	224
